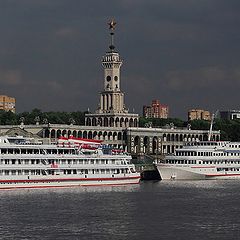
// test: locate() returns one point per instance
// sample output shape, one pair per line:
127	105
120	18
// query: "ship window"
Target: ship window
92	161
23	151
74	171
10	151
30	151
26	172
36	151
4	151
6	172
13	161
6	161
19	172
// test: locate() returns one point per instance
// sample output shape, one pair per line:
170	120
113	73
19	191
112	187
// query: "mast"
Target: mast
211	126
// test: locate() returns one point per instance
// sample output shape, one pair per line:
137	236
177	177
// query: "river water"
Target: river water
150	210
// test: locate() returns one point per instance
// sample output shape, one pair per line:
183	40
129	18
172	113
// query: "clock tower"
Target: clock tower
112	111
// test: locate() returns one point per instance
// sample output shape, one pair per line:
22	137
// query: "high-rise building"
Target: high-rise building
156	110
112	111
7	103
199	114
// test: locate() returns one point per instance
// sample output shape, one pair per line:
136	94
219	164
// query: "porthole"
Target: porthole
108	78
116	78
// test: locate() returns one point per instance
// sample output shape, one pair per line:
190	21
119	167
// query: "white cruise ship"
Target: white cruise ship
202	160
71	162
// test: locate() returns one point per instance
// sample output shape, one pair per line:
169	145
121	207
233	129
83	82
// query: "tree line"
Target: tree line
36	115
230	129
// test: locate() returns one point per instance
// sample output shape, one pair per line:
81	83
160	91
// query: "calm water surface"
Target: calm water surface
151	210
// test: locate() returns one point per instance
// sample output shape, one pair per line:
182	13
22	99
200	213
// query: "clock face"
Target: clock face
108	78
115	78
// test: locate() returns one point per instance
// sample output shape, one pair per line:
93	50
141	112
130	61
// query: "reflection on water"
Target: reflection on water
150	210
67	190
201	183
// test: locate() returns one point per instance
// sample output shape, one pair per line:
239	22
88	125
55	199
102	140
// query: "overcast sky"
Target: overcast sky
184	53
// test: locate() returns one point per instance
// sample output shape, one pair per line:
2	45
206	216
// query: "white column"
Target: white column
101	102
105	102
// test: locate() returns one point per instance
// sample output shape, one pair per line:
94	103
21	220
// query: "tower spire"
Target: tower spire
112	25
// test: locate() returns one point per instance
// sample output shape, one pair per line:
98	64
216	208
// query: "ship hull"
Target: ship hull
181	173
62	183
170	173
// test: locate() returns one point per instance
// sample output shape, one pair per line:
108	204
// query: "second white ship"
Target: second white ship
202	160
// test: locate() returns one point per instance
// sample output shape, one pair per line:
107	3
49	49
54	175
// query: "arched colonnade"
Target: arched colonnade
111	122
165	143
89	134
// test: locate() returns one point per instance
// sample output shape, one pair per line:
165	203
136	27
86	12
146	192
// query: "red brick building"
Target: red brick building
156	110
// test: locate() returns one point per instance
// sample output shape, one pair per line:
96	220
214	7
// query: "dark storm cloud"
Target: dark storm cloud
185	53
